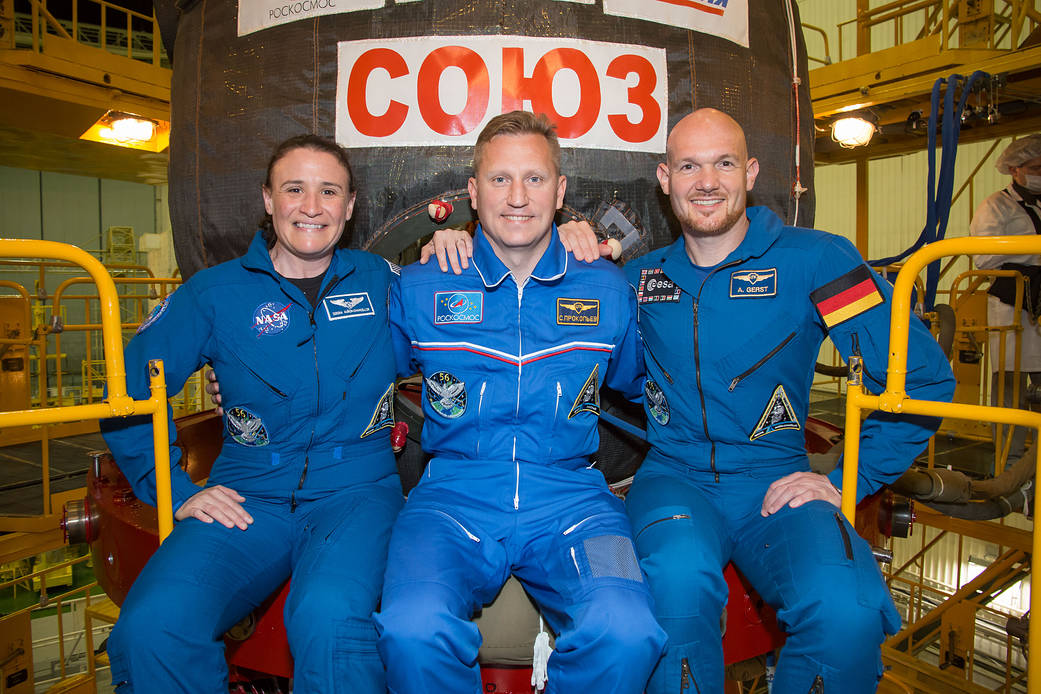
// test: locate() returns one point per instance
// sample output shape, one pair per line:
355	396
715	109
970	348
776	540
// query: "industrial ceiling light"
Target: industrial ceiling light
129	130
852	131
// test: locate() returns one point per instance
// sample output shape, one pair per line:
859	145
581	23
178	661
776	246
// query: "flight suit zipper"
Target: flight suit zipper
260	378
480	406
751	369
675	516
847	544
687	677
516	408
668	376
697	366
317	392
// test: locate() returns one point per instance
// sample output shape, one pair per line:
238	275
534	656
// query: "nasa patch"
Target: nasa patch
458	307
588	399
778	415
348	306
578	311
245	427
383	415
753	283
446	394
155	315
271	318
657	405
655	286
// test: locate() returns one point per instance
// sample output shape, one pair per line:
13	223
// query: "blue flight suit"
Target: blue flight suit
511	401
729	352
308	403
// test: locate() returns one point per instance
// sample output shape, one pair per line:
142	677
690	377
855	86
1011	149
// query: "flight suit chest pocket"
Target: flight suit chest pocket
763	353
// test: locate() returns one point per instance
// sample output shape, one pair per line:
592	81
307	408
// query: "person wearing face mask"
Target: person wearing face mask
1014	211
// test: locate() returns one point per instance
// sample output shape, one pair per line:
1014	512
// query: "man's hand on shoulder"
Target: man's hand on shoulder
452	247
579	238
797	489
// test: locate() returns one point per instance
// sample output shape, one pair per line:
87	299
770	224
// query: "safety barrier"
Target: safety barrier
118	403
895	399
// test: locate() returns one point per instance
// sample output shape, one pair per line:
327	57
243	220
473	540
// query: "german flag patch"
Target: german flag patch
847	296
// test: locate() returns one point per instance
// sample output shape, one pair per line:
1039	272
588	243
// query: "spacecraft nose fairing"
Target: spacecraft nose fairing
407	85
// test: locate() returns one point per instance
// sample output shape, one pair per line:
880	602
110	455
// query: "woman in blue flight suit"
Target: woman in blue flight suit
306	482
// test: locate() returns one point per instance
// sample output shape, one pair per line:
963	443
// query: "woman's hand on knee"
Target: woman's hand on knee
216	503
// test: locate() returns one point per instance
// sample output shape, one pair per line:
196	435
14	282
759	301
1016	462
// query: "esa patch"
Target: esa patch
753	283
588	399
657	405
245	427
778	415
343	306
847	296
578	311
458	307
446	394
655	286
383	415
155	315
271	318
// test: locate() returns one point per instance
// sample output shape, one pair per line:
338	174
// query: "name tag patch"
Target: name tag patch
458	307
578	311
348	306
753	283
656	286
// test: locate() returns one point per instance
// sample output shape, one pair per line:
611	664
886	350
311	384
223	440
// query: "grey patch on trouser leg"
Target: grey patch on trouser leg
612	556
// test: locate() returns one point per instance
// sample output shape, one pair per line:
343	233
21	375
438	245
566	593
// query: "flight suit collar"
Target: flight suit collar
551	266
258	258
764	228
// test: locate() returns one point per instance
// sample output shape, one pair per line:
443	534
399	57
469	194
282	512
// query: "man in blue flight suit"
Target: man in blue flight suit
513	354
732	316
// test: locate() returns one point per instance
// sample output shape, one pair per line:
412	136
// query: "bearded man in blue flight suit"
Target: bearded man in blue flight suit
513	354
732	316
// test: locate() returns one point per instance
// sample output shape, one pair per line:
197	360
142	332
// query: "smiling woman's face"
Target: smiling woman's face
310	201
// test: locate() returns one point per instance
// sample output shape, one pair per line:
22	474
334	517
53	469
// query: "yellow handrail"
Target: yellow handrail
895	399
118	403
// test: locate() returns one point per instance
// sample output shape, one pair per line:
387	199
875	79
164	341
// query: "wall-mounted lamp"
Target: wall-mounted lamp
852	131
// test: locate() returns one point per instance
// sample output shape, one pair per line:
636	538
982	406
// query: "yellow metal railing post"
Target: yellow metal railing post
118	403
161	439
894	398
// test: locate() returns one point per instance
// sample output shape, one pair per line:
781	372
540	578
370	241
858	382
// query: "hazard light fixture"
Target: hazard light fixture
852	131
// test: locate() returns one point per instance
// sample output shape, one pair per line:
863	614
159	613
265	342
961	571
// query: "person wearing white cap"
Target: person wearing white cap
1013	211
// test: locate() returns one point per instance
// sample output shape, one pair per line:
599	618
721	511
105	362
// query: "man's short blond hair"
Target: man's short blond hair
519	123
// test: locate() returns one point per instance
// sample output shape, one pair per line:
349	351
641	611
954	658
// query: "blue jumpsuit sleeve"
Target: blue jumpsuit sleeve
625	372
402	345
177	333
888	442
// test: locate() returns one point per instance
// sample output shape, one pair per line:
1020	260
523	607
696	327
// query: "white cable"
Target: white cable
797	188
540	658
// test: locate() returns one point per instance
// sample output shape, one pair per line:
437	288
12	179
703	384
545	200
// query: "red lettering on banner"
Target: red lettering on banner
538	89
366	122
641	95
477	90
